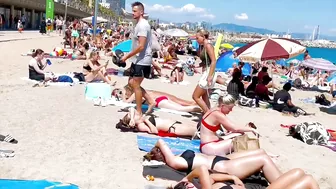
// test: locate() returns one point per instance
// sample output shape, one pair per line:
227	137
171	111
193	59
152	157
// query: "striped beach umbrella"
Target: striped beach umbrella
319	64
270	49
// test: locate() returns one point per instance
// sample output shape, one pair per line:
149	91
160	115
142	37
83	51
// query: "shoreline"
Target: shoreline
310	44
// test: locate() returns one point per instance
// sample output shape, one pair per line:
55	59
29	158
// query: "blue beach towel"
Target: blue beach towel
34	184
177	145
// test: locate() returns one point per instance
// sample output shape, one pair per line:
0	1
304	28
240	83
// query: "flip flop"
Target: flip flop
6	155
8	138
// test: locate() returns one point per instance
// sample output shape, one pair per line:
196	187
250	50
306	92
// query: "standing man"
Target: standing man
142	50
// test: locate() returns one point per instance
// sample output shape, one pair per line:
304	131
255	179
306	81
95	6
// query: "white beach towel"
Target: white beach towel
180	83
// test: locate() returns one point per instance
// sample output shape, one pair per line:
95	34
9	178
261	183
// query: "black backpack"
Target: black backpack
322	100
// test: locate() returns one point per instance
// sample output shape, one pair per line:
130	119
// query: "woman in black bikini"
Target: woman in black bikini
293	179
93	70
155	125
36	66
242	164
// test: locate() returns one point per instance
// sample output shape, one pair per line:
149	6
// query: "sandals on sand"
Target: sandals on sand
8	138
6	153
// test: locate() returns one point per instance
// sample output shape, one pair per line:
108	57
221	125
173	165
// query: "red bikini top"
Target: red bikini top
212	128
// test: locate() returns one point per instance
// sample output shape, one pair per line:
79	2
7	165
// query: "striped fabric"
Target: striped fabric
320	64
270	49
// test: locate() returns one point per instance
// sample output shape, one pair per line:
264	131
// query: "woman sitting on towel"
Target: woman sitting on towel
212	120
241	165
80	53
293	179
162	100
36	66
176	75
155	125
94	71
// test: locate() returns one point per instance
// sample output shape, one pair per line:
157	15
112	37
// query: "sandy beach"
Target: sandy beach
63	137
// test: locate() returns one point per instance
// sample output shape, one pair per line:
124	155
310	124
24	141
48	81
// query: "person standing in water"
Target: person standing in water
142	50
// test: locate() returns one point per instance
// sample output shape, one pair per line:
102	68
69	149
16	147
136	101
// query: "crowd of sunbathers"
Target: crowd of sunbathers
217	153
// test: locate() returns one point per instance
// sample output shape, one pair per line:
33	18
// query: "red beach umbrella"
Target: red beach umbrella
270	49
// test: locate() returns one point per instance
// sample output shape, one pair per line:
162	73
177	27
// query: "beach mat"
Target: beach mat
165	172
34	184
177	145
145	107
49	56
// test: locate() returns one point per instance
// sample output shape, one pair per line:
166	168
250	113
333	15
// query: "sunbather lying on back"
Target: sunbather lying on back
293	179
156	125
162	100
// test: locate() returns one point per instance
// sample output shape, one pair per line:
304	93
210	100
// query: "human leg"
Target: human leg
246	166
174	106
289	177
197	94
219	148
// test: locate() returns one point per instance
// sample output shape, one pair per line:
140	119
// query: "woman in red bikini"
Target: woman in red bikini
162	100
211	144
155	125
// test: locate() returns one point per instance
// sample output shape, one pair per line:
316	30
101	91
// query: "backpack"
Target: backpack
322	100
64	79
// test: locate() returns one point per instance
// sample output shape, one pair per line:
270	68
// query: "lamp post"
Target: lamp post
95	19
65	15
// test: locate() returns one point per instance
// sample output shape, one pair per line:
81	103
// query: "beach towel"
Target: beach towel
165	172
145	107
314	133
34	184
177	145
49	83
175	83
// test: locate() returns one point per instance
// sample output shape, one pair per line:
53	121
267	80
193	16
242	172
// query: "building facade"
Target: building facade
33	11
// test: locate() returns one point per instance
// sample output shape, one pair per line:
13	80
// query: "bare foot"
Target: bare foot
150	108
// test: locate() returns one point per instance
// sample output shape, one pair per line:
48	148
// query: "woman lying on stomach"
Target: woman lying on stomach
155	125
211	122
37	66
293	179
162	100
242	164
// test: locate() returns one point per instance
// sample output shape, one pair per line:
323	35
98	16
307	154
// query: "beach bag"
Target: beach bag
79	76
244	143
117	58
312	133
297	83
64	79
322	100
248	102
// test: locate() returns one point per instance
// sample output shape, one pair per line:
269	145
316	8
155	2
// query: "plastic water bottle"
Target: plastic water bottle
120	72
49	62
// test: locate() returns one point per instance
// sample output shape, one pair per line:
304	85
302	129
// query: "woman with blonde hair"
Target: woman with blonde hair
211	122
208	79
93	70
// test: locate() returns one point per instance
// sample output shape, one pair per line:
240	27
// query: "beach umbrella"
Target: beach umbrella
99	19
270	49
176	33
281	62
226	46
319	64
124	46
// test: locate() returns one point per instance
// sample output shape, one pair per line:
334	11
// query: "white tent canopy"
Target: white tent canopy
99	19
176	33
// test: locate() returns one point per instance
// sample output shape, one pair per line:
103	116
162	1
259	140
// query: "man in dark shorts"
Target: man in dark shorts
142	57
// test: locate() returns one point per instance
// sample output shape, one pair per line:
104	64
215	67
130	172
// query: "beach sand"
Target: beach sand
63	137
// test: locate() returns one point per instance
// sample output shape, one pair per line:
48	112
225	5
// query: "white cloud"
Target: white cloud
307	27
242	16
188	9
333	29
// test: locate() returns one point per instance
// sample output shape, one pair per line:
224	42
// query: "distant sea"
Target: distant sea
325	53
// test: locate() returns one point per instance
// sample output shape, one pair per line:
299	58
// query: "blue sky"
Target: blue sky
279	15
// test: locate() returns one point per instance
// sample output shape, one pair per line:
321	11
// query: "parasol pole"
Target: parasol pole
95	19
